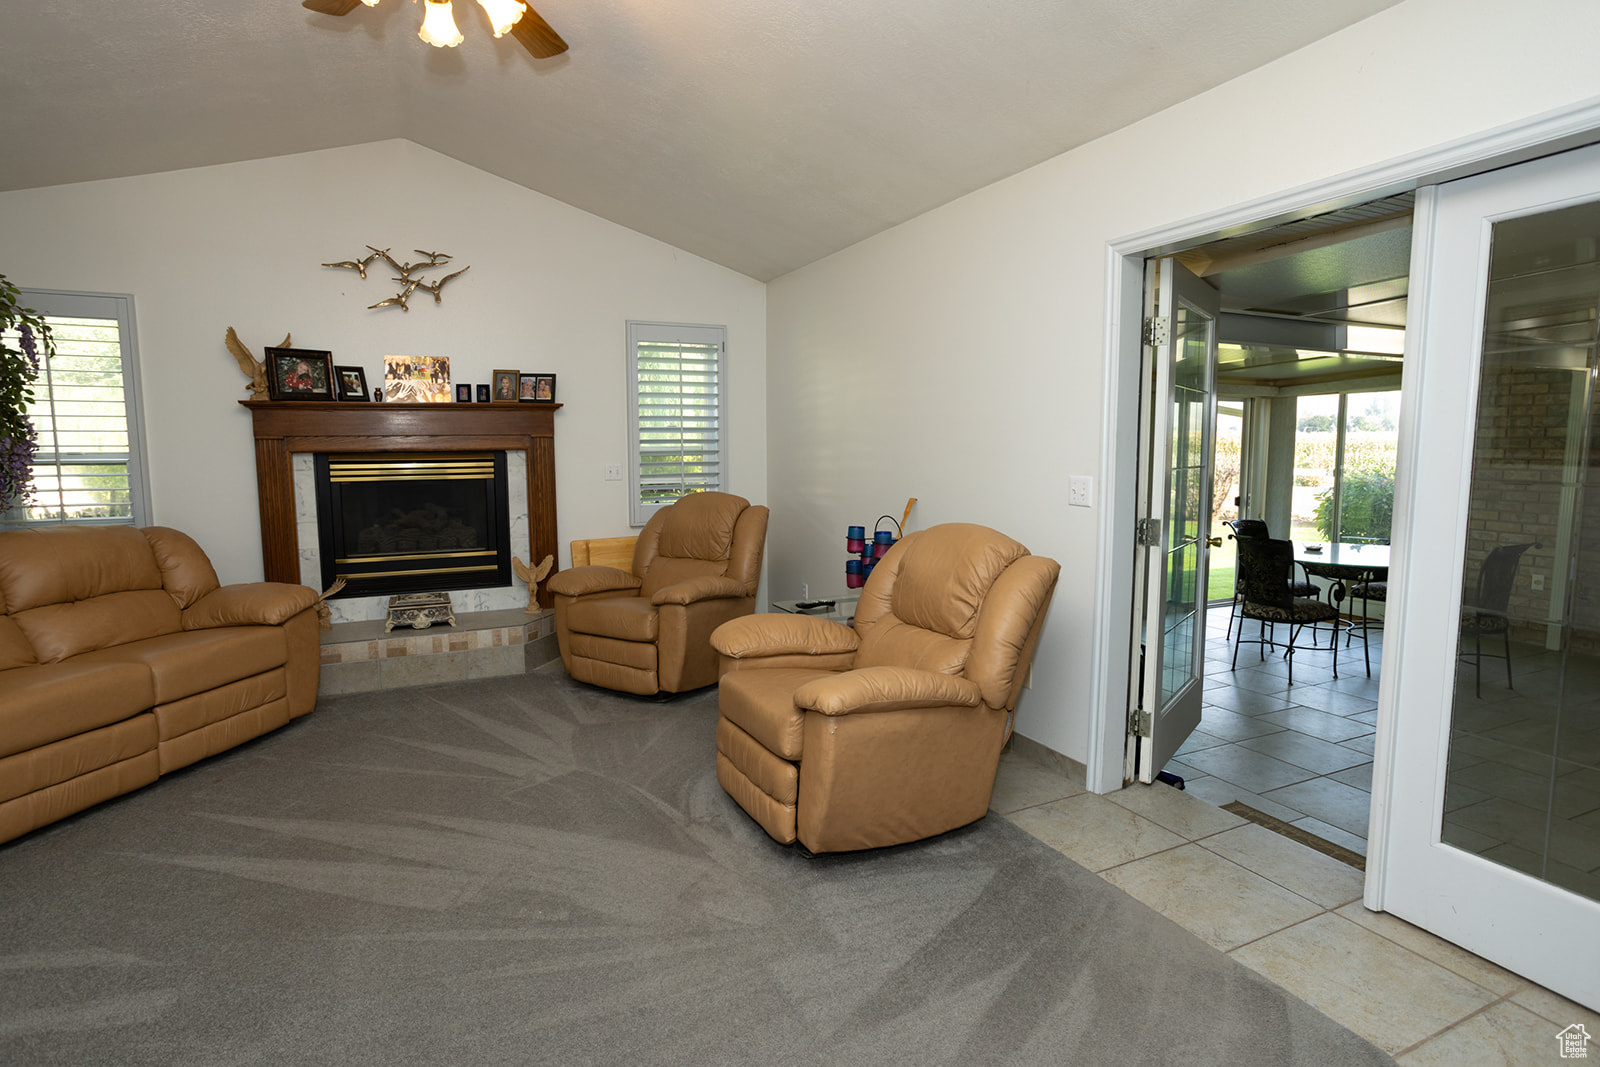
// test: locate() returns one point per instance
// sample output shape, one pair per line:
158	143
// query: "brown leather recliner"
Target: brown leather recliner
848	738
697	565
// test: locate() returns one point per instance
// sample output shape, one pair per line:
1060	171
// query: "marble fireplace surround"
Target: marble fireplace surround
288	433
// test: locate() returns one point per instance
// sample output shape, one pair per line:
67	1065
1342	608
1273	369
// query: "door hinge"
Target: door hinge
1155	331
1139	723
1147	533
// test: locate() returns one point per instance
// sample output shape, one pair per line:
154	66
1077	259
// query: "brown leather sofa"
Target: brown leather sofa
889	731
123	658
647	630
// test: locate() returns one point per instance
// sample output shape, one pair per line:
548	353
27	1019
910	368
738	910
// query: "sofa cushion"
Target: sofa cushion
945	573
183	664
61	564
185	571
51	701
58	631
892	643
15	651
761	703
626	618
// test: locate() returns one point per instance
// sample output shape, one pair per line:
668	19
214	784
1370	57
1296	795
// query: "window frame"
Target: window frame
641	333
62	303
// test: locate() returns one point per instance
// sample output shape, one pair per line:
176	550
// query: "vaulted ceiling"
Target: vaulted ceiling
759	134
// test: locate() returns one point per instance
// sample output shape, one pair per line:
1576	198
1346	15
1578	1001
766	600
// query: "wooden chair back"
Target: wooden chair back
605	552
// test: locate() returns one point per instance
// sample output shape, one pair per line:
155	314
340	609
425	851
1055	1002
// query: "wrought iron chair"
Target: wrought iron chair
1484	608
1265	568
1256	528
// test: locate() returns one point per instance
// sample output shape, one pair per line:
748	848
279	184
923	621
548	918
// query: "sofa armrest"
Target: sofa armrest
249	604
705	587
756	636
886	689
582	581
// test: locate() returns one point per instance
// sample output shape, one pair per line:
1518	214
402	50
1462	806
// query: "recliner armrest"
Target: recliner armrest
705	587
755	636
886	689
581	581
249	604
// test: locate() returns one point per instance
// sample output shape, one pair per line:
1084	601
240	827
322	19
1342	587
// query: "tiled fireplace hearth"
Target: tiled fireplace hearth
493	635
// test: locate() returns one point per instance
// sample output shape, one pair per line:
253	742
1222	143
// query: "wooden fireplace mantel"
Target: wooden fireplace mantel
284	427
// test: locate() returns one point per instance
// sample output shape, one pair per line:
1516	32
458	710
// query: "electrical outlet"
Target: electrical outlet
1080	491
805	590
1538	581
613	472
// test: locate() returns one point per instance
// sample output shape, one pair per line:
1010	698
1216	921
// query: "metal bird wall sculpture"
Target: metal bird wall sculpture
409	275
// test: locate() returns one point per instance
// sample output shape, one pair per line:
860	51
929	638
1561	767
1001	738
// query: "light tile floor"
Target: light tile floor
1300	752
1293	915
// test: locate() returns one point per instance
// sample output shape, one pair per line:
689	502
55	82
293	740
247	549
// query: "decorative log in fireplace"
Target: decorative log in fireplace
283	428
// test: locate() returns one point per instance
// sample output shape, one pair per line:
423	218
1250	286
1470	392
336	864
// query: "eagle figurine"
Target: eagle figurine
253	368
533	578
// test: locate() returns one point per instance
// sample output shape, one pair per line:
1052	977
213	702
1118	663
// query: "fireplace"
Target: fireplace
412	522
290	433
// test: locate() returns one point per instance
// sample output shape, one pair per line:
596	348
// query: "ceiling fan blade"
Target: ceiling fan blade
331	7
535	34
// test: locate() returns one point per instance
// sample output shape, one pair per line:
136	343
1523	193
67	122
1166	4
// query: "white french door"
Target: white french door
1178	419
1490	828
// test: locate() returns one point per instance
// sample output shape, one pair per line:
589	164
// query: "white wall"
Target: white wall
550	289
960	358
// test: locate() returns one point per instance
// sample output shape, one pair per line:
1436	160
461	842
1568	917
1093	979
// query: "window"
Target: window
89	466
676	414
1345	448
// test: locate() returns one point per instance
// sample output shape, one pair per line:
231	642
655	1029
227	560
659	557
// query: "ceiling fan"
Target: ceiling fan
439	24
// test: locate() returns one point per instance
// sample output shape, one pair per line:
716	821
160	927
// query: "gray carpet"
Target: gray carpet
531	871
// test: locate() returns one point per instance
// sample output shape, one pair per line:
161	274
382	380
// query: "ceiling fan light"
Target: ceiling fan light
439	25
503	14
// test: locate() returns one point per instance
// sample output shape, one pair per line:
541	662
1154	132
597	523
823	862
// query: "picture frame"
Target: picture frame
299	374
504	385
351	384
544	389
525	387
417	379
463	394
483	394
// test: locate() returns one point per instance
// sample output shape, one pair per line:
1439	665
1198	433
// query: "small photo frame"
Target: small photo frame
352	384
544	388
463	394
525	384
299	374
505	386
483	394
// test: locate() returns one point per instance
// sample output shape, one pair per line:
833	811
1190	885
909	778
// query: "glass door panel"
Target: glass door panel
1523	782
1176	487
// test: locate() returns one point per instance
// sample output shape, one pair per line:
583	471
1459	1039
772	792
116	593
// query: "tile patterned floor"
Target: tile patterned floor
1293	915
1300	752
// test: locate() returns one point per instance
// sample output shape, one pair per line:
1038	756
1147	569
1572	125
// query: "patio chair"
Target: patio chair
1484	609
1265	594
1256	528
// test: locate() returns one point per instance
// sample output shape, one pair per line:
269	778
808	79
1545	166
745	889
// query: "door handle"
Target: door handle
1214	542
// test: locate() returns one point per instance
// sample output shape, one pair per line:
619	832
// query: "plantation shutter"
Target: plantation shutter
88	467
676	414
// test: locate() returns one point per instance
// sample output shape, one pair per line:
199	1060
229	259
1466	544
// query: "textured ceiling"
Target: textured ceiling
760	134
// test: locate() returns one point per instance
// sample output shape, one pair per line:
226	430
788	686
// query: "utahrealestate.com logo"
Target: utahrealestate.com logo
1574	1042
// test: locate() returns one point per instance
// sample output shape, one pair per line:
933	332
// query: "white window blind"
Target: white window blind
89	464
677	414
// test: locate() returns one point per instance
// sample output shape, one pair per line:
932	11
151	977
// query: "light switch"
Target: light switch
1080	491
